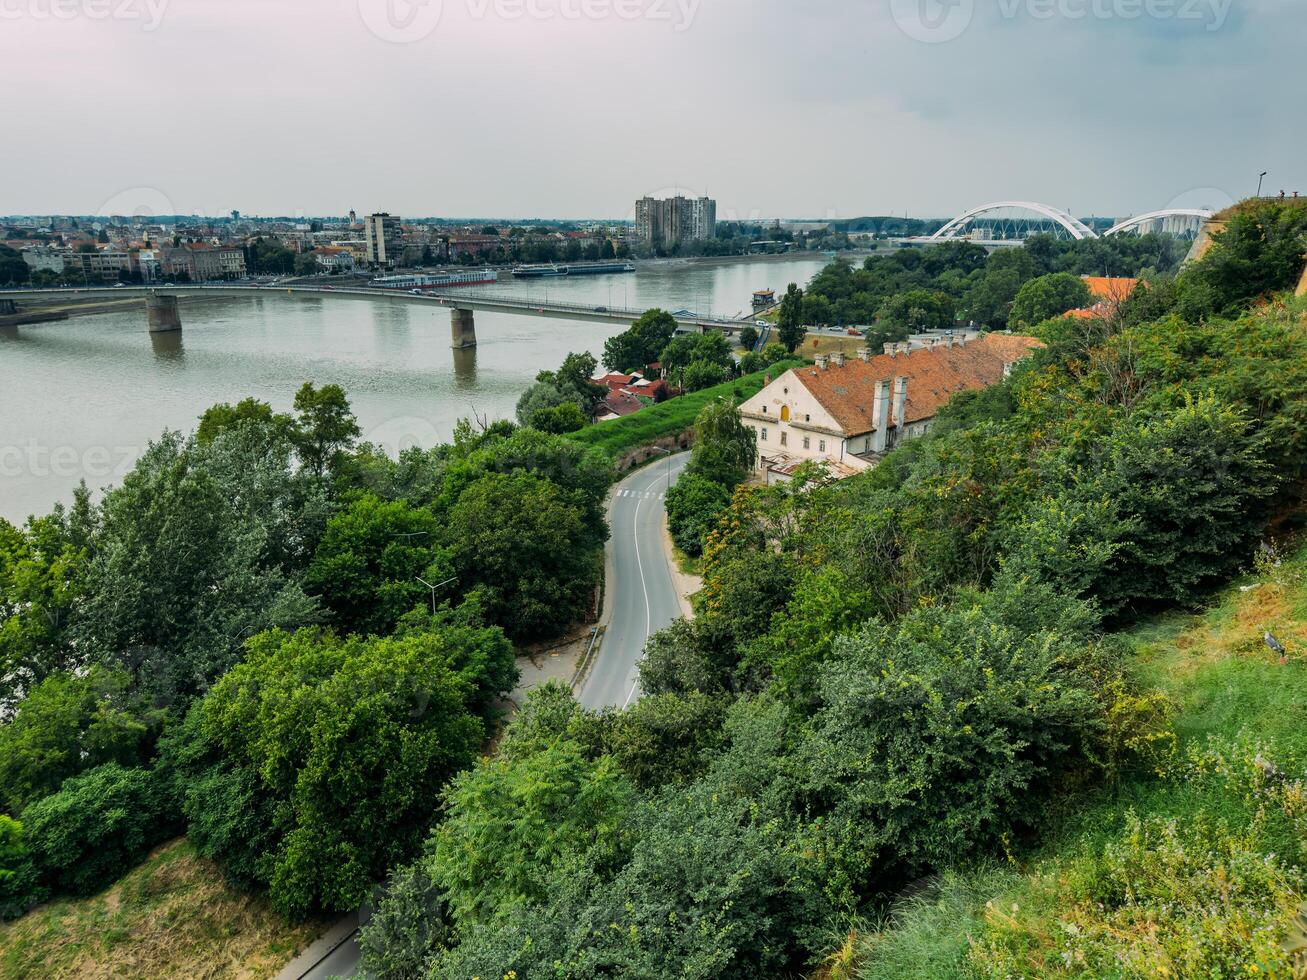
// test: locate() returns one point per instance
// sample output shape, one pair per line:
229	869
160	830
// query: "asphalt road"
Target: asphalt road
640	600
641	596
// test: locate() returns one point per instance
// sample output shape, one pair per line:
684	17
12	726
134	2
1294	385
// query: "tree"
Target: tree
520	542
694	505
559	420
222	417
641	345
789	319
13	270
749	338
97	826
43	571
1047	297
326	427
70	723
371	561
510	821
185	568
20	887
410	922
704	374
343	744
914	311
725	449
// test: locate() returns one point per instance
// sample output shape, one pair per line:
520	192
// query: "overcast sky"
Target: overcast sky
573	108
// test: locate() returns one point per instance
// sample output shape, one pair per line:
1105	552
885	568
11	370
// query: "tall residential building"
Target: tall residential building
382	233
675	219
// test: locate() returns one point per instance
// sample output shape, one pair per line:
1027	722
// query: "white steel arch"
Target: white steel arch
1131	223
1077	229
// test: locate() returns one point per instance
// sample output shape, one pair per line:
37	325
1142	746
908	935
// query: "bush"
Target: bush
320	761
20	885
694	506
407	928
97	826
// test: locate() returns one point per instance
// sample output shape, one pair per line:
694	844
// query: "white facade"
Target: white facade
788	420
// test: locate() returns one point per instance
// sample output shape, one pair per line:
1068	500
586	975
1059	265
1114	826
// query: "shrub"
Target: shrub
694	506
407	928
20	886
97	826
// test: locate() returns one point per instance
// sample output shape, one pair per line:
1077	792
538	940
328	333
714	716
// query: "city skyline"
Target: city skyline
821	111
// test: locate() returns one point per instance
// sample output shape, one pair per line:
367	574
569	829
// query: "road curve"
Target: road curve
640	596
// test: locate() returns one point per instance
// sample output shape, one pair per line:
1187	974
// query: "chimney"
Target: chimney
891	349
900	403
822	361
905	348
880	438
837	359
864	353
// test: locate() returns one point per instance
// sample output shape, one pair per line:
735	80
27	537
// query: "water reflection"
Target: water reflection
168	346
465	368
9	332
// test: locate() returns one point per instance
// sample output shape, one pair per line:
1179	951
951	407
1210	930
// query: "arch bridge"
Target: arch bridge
1010	222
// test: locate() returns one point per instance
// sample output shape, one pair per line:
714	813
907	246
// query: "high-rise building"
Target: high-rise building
382	233
675	219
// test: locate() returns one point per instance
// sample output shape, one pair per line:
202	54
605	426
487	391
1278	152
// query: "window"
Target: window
764	410
763	433
784	438
785	413
821	446
807	443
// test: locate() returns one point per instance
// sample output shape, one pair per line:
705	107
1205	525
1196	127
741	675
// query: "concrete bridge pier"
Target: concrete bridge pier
162	312
462	328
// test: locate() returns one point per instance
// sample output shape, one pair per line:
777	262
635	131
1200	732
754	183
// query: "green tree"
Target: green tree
326	426
914	311
509	822
694	505
97	826
1047	297
749	338
789	319
519	541
369	566
223	417
70	723
20	886
725	449
559	420
704	374
410	922
13	270
637	348
344	744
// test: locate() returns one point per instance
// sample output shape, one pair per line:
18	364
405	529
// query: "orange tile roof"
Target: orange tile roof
1109	288
934	376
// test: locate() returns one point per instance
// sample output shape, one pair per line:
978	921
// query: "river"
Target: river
82	398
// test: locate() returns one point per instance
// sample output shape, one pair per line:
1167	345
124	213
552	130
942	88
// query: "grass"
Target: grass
1196	869
672	417
172	916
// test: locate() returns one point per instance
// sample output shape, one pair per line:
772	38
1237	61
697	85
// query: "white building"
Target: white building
848	412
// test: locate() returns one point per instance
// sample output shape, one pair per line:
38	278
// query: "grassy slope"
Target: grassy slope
1038	917
671	417
173	916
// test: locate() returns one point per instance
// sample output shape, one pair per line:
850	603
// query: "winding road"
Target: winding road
640	598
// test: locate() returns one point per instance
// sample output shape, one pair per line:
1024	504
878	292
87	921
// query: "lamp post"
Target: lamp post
433	589
1261	177
668	453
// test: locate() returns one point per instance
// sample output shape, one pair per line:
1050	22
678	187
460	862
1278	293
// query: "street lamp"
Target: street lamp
1261	177
668	453
433	589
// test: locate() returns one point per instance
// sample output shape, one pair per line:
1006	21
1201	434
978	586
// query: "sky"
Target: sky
575	108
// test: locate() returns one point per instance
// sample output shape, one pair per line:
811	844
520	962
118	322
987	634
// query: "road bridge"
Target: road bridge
461	304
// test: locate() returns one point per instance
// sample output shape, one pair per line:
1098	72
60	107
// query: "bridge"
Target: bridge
161	304
1011	222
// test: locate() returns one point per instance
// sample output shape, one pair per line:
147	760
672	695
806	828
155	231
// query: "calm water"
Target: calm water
82	398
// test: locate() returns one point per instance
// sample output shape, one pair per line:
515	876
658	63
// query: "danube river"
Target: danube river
82	398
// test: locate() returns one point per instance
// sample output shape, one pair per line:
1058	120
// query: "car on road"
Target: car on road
601	309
